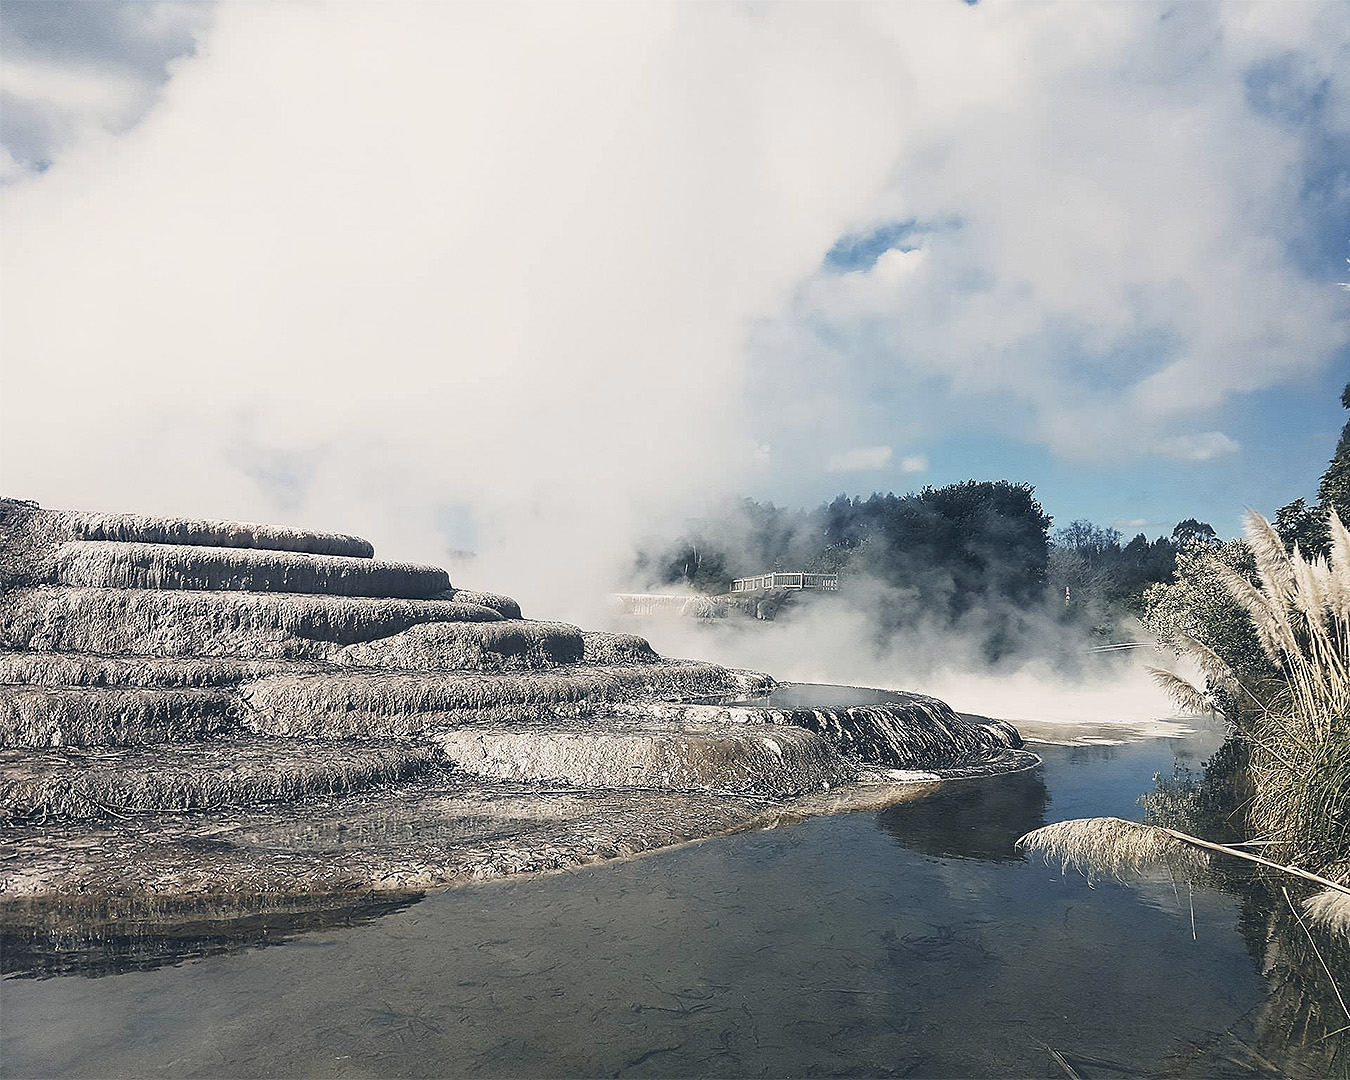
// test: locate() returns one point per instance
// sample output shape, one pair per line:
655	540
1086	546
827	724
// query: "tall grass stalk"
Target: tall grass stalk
1296	725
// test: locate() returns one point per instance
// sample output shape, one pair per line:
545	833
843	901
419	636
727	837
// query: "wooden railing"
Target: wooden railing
785	581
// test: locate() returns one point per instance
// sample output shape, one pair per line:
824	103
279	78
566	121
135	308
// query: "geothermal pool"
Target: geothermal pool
913	941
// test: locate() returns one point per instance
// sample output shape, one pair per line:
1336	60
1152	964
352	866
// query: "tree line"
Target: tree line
943	553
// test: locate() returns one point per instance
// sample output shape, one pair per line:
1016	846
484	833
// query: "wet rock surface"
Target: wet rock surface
215	713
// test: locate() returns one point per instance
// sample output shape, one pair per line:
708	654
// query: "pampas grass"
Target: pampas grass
1114	847
1330	909
142	529
224	773
98	716
150	622
182	566
1298	732
1120	846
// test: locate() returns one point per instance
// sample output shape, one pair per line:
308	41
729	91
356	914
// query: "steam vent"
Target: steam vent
234	718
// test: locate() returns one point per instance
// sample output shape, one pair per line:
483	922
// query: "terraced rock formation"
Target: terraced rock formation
247	715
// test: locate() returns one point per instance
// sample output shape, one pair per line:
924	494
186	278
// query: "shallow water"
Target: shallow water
910	942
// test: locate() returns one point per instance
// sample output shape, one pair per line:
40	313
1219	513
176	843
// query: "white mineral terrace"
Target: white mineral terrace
162	680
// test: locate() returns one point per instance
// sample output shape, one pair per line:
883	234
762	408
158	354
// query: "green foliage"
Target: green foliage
1304	525
951	548
1191	531
1210	804
958	546
1334	488
1197	603
1097	579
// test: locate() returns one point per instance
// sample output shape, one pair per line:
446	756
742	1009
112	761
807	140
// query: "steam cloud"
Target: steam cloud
499	277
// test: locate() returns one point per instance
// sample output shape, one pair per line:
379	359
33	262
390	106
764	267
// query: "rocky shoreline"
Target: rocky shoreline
217	717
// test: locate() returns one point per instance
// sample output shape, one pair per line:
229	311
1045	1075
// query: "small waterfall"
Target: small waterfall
920	733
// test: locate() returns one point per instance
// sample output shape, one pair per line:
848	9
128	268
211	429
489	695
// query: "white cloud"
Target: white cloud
1204	446
915	463
357	263
1102	222
363	263
861	459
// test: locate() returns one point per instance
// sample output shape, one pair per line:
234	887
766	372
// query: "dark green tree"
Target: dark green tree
1304	525
1334	489
1192	530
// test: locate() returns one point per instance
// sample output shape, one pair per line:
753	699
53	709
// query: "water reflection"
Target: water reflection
95	939
971	819
908	942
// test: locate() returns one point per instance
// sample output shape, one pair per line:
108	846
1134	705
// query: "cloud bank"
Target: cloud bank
528	279
363	268
1107	223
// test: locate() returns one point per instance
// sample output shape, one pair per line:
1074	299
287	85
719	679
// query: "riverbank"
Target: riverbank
869	943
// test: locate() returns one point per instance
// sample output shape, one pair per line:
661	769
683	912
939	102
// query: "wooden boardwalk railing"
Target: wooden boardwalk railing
785	581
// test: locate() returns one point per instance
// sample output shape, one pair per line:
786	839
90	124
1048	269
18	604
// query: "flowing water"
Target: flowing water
911	942
891	727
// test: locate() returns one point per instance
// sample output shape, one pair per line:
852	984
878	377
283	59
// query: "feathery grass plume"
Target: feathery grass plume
1330	909
1272	563
502	605
152	622
1184	695
103	564
49	716
1269	619
225	772
509	645
1114	847
85	669
139	528
1302	622
1339	557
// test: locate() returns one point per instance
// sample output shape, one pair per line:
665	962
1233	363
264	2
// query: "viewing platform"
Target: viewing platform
762	582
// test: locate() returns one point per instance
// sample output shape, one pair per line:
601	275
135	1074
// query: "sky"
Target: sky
537	281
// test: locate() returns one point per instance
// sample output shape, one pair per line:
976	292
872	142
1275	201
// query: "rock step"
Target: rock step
26	668
401	703
83	785
443	829
170	623
504	606
142	529
117	565
52	716
619	753
509	645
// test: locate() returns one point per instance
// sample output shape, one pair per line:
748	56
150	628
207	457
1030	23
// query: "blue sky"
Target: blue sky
538	279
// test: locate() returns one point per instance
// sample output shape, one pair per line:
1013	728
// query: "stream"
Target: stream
914	941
